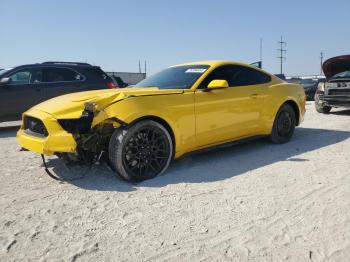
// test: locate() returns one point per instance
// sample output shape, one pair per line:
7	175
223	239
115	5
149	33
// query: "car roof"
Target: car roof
58	64
210	63
216	63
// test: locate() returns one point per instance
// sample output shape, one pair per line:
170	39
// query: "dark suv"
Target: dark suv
25	86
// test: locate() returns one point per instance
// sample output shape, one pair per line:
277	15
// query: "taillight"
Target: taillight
111	85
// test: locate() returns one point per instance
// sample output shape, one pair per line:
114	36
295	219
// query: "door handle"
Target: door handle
254	95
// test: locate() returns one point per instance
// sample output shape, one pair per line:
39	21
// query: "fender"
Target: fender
177	113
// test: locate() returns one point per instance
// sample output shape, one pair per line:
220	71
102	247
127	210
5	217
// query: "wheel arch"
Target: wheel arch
161	121
296	109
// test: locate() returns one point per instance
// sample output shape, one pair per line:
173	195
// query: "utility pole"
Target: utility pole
261	52
139	66
145	67
321	58
282	52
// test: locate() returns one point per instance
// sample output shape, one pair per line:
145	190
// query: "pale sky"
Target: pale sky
116	34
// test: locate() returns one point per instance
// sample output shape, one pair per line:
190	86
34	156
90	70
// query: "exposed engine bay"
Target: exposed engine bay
335	91
92	143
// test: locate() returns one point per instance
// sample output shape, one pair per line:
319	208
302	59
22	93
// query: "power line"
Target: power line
282	52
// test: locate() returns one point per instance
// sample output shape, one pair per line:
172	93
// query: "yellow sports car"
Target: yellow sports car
181	109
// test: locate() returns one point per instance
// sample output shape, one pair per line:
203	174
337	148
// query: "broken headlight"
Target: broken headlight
81	125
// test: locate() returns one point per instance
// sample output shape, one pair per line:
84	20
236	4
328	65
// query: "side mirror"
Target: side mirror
5	81
217	84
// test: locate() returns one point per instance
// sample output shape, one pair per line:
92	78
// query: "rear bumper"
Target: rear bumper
334	100
58	140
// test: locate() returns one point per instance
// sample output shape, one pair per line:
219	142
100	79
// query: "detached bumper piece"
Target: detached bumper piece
80	125
48	171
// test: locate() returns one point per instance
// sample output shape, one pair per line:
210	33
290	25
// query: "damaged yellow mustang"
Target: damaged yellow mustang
184	108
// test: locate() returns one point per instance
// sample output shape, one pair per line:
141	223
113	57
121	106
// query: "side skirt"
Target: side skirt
225	145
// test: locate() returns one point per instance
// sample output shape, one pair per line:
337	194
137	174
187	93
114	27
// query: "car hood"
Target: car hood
336	65
72	105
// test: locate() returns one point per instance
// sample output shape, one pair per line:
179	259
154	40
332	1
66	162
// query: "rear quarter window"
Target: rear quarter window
96	74
248	76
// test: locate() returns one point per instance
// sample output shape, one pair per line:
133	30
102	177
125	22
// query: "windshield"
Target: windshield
345	74
179	77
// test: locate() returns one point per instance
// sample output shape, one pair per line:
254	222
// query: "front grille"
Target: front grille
34	126
339	92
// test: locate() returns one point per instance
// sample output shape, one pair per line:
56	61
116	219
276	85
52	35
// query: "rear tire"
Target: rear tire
142	151
284	125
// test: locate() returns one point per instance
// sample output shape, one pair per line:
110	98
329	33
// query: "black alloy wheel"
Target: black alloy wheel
146	152
141	152
284	125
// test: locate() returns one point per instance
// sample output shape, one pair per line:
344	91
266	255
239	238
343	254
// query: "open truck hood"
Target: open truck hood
336	65
71	105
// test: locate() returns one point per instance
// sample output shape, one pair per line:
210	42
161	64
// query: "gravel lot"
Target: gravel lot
250	202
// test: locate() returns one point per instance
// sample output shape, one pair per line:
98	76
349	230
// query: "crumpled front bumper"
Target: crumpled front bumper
57	141
334	100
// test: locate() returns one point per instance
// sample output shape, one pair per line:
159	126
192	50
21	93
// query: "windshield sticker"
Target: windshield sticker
196	70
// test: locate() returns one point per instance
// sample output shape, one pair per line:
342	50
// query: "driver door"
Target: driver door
229	113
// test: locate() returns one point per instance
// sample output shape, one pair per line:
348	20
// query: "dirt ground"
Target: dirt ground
250	202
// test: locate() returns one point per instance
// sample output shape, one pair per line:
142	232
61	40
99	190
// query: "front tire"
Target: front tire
142	151
284	125
322	109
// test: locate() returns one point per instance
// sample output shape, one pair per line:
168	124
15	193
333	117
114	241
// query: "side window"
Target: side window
236	75
60	75
37	76
21	77
223	73
247	76
96	74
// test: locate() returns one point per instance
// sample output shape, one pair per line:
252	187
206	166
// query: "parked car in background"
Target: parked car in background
335	90
118	81
25	86
181	109
281	76
125	79
294	80
310	87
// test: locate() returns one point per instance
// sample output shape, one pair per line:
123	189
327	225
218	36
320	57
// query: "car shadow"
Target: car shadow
214	165
345	112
